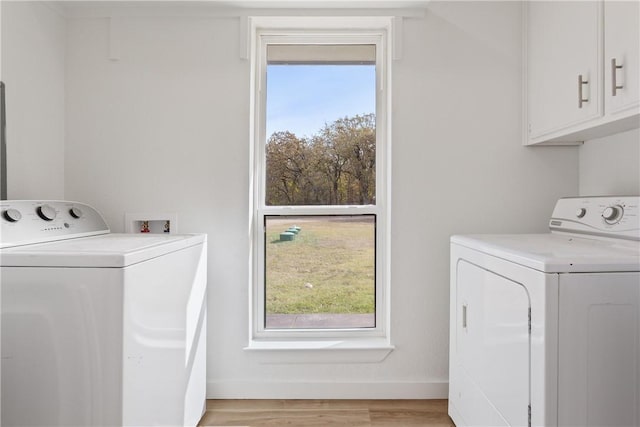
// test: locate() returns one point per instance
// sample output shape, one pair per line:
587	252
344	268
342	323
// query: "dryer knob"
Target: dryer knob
75	212
46	212
581	212
612	214
12	215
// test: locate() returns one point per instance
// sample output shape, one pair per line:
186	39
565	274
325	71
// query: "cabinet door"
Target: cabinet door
621	43
564	41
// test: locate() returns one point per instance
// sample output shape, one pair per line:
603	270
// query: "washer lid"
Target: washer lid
558	253
108	250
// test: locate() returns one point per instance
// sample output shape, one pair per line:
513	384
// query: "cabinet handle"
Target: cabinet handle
614	71
581	83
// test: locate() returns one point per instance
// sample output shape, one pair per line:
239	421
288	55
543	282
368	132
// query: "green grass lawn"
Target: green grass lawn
328	268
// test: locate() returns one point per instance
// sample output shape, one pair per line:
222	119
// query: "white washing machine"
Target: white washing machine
98	328
545	328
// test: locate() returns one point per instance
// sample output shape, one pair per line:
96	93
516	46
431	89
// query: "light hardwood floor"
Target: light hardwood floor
326	413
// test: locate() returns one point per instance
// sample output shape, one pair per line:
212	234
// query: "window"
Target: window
320	183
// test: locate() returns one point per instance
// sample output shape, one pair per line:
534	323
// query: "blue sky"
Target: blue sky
302	98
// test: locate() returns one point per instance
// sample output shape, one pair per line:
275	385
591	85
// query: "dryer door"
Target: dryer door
491	376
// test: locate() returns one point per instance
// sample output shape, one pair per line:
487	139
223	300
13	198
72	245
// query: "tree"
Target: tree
286	168
334	167
330	161
356	137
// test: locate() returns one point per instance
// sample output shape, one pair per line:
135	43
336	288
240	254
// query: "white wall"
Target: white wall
611	165
165	128
458	164
33	58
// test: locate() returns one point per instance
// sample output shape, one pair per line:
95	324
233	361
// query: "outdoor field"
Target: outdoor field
328	268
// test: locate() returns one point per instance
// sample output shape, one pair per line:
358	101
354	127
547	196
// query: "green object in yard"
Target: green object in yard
293	230
287	236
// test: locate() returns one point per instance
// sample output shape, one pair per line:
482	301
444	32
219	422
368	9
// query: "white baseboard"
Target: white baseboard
242	389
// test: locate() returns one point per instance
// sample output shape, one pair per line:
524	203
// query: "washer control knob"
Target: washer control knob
581	212
612	214
75	212
46	212
12	215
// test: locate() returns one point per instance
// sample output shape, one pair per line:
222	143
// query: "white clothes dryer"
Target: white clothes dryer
98	328
545	328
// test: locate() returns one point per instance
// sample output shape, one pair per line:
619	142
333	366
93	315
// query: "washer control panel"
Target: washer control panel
609	216
24	222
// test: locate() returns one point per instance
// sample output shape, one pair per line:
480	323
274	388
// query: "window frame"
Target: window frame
354	31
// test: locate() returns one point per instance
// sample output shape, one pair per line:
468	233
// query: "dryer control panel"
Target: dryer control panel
608	216
24	222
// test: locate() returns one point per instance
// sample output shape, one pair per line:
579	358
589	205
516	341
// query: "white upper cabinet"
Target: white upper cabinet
569	75
563	45
621	55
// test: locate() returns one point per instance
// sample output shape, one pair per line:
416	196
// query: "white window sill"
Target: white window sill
369	350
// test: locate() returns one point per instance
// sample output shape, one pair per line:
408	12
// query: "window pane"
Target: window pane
321	135
320	271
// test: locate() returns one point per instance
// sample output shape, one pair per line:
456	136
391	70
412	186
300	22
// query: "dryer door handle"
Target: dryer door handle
464	316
